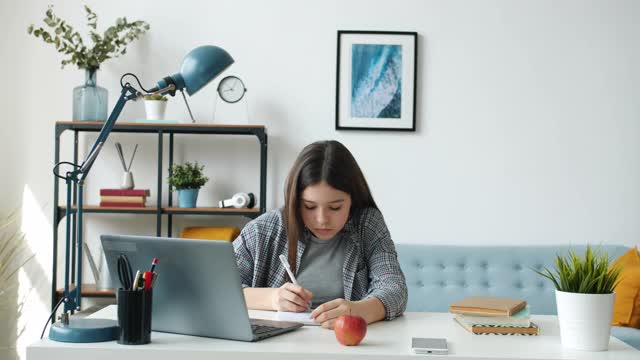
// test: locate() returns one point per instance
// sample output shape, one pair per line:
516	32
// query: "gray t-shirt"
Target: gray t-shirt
320	269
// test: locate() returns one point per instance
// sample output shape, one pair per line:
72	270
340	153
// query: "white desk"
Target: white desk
384	340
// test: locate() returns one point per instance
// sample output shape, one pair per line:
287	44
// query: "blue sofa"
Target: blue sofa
438	275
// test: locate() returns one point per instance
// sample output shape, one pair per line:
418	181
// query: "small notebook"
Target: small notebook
499	330
520	319
488	306
301	317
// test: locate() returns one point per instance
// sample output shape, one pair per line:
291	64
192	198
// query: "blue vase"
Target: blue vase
187	198
90	100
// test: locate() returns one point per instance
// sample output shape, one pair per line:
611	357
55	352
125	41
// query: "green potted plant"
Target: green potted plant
584	298
154	106
187	179
89	100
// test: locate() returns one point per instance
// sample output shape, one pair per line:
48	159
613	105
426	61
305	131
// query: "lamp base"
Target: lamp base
84	331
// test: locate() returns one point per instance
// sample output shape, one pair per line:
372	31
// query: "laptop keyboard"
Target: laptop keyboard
261	329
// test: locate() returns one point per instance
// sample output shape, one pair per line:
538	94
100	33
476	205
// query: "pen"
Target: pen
153	264
136	281
148	278
285	263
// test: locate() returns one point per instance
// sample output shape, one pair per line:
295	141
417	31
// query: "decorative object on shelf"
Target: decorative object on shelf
127	177
239	201
187	179
231	89
89	100
376	80
585	297
155	106
198	68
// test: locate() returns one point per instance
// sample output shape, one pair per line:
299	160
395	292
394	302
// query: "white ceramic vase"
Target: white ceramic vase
155	109
585	320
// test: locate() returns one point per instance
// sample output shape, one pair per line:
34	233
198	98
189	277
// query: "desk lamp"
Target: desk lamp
198	68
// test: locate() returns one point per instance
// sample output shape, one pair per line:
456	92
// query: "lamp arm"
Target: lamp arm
127	93
77	177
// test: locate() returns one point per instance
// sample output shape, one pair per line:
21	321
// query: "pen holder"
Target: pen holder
134	316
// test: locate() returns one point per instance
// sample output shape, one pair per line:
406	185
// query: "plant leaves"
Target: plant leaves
70	43
589	274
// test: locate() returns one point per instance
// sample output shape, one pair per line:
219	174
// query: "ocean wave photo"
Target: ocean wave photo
376	83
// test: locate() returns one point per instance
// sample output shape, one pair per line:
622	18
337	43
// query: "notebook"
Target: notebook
488	306
521	319
499	330
298	317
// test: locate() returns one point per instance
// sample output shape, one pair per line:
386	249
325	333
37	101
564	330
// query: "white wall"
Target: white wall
528	112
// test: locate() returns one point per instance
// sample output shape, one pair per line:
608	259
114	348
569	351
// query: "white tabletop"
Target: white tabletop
384	340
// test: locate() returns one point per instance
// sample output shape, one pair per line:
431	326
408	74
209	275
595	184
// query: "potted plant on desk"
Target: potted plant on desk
187	179
584	298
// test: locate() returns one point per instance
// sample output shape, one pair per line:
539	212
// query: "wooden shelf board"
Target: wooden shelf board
150	125
89	290
165	210
96	208
211	210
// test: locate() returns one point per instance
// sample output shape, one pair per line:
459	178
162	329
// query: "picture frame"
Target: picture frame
376	76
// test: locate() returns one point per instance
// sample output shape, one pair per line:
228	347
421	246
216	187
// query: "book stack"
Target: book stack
123	197
494	315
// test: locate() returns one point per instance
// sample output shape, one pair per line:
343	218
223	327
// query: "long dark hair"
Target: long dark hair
328	161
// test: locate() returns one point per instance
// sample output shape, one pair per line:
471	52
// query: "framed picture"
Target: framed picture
376	80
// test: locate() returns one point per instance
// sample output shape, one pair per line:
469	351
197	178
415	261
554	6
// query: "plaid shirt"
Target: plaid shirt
371	267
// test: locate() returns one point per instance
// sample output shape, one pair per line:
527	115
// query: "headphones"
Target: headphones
239	200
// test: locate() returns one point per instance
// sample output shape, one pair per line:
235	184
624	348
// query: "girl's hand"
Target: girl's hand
290	297
327	313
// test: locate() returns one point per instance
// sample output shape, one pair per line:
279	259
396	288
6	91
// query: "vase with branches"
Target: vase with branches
89	100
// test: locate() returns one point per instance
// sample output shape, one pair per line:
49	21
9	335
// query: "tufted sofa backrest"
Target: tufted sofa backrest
438	275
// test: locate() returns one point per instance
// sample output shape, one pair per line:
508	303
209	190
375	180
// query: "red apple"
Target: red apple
350	329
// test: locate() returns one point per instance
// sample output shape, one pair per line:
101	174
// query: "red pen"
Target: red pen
148	277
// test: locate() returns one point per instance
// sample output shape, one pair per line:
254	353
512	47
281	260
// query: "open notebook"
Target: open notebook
299	317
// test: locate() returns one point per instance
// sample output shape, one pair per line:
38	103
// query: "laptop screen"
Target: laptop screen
198	290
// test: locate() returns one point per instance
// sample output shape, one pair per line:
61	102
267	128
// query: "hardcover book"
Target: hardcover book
124	192
127	199
488	306
120	204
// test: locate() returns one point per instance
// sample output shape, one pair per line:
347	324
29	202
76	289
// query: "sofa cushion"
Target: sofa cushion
438	275
626	310
629	335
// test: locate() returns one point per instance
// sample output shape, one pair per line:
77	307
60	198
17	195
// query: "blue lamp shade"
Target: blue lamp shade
199	67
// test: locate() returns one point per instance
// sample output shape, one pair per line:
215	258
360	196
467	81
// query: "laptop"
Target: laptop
198	290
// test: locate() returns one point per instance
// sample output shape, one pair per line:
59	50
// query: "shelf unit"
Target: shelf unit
170	130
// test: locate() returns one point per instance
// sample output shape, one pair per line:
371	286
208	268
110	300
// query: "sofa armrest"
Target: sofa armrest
629	335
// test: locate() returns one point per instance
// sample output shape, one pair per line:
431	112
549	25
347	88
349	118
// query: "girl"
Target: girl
336	241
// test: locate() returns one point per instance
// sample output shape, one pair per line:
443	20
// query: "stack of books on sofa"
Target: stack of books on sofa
123	197
494	315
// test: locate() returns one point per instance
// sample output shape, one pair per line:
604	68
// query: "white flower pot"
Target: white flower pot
585	320
155	109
